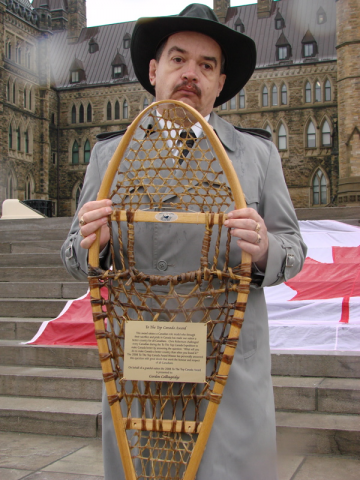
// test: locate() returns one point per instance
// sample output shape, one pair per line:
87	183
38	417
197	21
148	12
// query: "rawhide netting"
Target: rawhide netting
167	181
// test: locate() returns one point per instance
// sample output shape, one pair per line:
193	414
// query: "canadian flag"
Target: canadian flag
318	309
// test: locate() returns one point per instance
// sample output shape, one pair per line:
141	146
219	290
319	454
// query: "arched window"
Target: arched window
8	90
327	91
265	100
19	56
224	106
308	92
282	138
126	41
18	139
9	50
125	110
77	195
28	188
268	129
30	100
81	114
89	113
242	98
283	94
10	186
87	151
108	111
311	136
117	110
75	153
73	114
28	60
319	188
10	137
317	91
274	95
24	97
233	103
326	134
146	103
26	141
14	93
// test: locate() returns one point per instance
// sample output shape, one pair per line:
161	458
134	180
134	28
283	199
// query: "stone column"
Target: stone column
348	67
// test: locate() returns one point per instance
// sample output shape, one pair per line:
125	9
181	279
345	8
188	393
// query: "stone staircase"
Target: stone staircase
317	395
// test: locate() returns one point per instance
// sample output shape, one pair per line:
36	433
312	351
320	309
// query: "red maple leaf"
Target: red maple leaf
319	281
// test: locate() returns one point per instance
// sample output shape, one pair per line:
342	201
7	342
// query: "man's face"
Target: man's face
189	70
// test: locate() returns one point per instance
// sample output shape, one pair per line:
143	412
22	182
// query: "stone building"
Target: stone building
64	83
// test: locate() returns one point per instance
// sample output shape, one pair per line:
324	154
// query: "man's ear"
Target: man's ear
152	71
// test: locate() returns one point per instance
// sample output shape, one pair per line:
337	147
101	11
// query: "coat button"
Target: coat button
162	265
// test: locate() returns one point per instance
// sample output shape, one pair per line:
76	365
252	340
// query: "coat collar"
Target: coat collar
224	130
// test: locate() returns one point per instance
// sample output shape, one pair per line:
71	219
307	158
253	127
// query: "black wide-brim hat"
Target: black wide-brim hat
238	49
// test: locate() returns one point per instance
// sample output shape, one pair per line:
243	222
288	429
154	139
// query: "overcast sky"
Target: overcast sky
103	12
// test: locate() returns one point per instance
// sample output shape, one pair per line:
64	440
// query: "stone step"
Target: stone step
51	290
36	274
13	328
35	224
318	433
16	354
31	307
332	395
49	416
30	259
38	246
71	384
316	364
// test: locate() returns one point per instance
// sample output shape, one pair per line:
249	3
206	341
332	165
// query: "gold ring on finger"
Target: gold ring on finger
82	222
257	228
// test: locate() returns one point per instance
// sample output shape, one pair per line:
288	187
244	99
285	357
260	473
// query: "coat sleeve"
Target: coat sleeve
74	257
287	250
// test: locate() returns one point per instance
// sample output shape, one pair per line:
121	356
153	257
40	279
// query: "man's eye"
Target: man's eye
177	59
208	66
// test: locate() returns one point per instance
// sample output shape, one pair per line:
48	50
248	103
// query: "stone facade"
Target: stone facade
314	124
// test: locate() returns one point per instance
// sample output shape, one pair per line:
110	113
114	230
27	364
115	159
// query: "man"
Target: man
193	58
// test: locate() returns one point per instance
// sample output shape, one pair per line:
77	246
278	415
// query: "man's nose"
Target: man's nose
190	73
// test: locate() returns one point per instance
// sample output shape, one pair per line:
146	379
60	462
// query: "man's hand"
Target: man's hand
250	229
92	216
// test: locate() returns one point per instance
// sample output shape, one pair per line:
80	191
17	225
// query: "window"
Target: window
28	60
14	93
321	16
279	21
75	77
108	111
81	114
117	110
73	114
126	41
93	46
274	95
319	189
239	26
308	50
326	134
26	138
53	158
24	97
53	119
233	103
8	90
125	110
117	71
146	103
283	53
265	101
87	151
10	137
89	113
75	153
19	55
317	92
311	136
18	139
308	92
9	51
282	138
268	129
283	94
224	106
30	100
327	91
242	98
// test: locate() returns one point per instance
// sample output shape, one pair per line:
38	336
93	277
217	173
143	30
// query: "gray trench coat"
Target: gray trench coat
242	442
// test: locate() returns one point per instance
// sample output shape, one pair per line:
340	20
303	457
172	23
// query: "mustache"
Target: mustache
192	85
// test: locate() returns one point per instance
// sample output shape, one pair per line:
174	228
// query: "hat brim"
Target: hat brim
238	49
